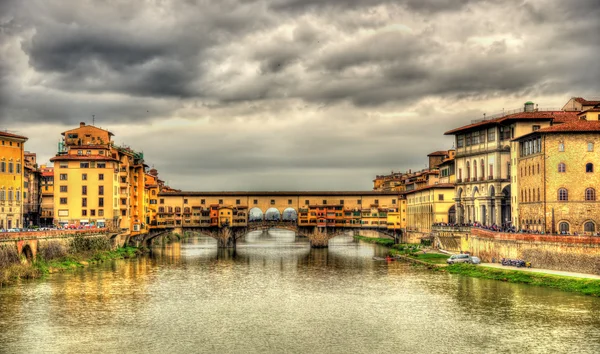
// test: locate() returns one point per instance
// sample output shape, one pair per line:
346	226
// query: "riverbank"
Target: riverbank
56	257
437	262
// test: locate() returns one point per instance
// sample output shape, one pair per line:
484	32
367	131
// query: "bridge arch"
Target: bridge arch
273	214
289	214
256	214
27	252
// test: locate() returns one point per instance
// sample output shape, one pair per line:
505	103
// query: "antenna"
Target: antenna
93	119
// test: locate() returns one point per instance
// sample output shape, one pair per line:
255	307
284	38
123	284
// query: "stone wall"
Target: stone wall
568	253
50	234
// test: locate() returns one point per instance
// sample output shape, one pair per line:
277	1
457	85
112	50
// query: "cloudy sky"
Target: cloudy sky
286	94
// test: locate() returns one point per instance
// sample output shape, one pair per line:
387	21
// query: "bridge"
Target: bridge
227	215
227	236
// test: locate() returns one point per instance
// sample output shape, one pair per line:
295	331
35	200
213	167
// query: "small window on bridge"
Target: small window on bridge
255	201
272	201
162	201
185	201
289	202
393	201
237	202
202	201
341	202
220	201
324	202
358	201
306	202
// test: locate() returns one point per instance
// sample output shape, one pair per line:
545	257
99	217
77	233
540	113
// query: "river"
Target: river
274	294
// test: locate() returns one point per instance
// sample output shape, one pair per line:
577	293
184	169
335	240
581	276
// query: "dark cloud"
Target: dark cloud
286	93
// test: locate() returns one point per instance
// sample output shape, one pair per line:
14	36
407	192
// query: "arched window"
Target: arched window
590	194
482	169
589	227
589	167
474	170
186	210
562	167
468	170
538	195
178	209
563	227
538	168
161	209
563	194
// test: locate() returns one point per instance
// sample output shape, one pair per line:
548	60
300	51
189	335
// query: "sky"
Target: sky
286	94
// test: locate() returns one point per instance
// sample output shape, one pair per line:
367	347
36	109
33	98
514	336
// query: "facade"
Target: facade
559	178
98	183
429	205
32	196
12	157
47	192
486	161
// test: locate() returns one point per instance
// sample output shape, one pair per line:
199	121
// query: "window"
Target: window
3	166
589	167
83	212
272	201
255	201
161	209
162	201
64	165
84	176
475	138
100	212
101	177
202	201
535	127
474	170
63	189
178	210
393	201
93	212
123	212
185	201
376	201
563	227
100	204
590	194
460	141
538	195
561	147
341	202
590	146
482	169
440	197
491	134
63	200
84	165
468	140
83	202
10	167
100	190
589	227
101	164
83	190
359	201
324	202
562	167
563	195
491	173
289	202
18	168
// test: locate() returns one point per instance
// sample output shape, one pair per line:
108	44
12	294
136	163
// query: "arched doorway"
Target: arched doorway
452	214
505	212
272	214
255	214
290	214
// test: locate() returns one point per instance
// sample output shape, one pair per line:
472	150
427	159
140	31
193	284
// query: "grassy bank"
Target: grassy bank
55	257
571	284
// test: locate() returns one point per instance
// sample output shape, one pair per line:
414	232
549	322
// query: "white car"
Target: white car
475	260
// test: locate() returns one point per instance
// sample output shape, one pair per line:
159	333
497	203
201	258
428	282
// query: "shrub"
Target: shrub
52	250
80	244
8	255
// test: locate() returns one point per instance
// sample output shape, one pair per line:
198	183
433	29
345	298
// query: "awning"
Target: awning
84	220
101	220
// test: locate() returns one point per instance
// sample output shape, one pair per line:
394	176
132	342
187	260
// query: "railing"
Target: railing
450	228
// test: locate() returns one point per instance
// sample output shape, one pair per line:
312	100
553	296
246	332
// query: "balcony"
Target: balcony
481	178
490	178
468	179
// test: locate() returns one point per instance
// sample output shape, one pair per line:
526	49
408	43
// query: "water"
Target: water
276	295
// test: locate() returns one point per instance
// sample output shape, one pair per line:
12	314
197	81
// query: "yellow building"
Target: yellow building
32	197
559	178
98	183
12	157
429	205
47	190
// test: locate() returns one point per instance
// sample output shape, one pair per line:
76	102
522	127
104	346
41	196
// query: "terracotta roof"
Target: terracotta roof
439	153
83	157
579	126
555	116
439	185
9	135
47	174
585	102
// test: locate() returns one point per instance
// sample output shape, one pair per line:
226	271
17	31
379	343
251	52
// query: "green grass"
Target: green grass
388	242
41	267
433	258
571	284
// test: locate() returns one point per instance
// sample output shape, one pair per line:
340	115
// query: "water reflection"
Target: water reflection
275	294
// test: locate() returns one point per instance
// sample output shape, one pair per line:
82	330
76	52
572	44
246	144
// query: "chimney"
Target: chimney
82	124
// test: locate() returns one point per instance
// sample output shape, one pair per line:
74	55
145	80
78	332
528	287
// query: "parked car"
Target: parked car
475	260
459	258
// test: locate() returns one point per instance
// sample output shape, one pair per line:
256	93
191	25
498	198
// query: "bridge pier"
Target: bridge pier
226	238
